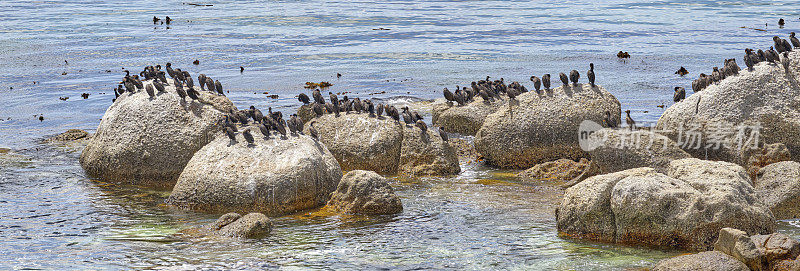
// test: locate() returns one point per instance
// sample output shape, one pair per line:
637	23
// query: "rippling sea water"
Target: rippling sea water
53	217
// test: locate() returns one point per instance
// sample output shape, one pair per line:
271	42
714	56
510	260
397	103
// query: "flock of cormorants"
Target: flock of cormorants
773	55
265	123
273	121
133	83
356	105
491	90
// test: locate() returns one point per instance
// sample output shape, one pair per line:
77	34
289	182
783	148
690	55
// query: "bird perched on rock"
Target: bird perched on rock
281	127
772	55
564	79
257	115
442	134
421	125
297	123
201	79
392	111
317	108
150	91
248	136
537	84
230	133
218	87
574	76
379	110
357	105
179	90
631	123
318	97
407	118
313	130
680	94
192	93
590	74
749	59
546	81
303	98
189	81
794	40
264	130
448	95
682	71
610	122
334	99
159	87
778	45
210	84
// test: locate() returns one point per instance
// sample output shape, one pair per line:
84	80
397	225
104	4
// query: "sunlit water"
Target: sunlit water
55	218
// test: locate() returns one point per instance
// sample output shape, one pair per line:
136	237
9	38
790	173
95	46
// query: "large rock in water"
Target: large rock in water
540	128
146	141
778	186
765	95
365	192
684	208
621	149
273	176
383	145
463	119
703	261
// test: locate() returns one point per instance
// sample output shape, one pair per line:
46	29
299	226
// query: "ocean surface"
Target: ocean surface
53	217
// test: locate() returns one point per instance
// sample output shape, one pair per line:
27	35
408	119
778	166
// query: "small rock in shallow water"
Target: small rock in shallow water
70	135
365	192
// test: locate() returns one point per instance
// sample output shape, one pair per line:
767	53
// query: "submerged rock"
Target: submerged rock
684	208
540	128
466	119
778	187
359	141
621	149
703	261
273	176
365	192
233	225
560	172
148	141
70	135
764	97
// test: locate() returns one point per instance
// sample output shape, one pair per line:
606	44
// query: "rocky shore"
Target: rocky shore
660	192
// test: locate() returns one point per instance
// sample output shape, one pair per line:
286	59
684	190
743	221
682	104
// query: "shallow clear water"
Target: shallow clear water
53	217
